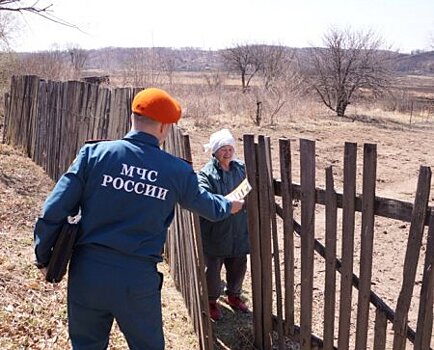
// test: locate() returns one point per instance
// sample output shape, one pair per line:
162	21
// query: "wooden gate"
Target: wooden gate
273	293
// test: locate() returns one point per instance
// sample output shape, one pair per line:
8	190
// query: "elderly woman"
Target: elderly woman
225	242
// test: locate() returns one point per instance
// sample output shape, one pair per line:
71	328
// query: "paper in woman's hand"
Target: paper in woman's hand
241	191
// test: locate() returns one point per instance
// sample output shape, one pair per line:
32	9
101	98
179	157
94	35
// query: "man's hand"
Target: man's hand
236	205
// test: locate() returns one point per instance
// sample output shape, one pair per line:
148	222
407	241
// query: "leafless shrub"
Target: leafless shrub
214	80
52	64
198	103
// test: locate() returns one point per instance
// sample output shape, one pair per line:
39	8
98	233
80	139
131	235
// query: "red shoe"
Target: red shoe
214	311
236	303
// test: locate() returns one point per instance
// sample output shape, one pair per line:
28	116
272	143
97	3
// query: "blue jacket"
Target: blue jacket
126	190
228	237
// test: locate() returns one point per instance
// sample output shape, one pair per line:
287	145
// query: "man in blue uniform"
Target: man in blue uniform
126	191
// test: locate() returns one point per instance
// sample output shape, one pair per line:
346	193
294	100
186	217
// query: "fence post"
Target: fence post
288	232
250	157
411	258
307	176
348	204
265	240
330	257
425	317
367	243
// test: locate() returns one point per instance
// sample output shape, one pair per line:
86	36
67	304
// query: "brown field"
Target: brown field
33	313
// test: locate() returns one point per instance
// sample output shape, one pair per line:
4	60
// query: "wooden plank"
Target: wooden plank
288	232
411	258
199	286
6	108
425	316
41	136
367	243
330	261
349	193
385	207
65	121
307	175
120	111
207	338
34	121
252	203
380	330
275	244
56	129
83	121
265	243
91	110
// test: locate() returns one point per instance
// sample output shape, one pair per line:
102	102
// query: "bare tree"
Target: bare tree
78	60
37	7
276	61
244	59
349	62
51	64
143	68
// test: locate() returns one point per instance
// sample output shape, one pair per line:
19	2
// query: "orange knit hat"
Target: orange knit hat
156	104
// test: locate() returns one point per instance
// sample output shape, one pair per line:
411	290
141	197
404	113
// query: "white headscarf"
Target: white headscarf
219	139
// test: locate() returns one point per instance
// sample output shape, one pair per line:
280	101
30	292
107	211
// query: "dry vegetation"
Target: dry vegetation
33	313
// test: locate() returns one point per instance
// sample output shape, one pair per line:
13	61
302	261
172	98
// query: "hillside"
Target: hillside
191	59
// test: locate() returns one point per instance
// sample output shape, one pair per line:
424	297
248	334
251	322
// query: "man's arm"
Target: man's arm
213	207
62	202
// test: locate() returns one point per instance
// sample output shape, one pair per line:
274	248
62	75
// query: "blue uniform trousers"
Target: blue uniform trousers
105	285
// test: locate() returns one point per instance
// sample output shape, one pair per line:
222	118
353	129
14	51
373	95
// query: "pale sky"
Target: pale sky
404	24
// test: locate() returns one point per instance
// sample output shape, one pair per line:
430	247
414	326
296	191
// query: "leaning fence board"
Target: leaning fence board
288	232
200	287
425	316
252	201
330	257
265	241
307	176
184	250
205	325
367	243
348	199
275	251
411	258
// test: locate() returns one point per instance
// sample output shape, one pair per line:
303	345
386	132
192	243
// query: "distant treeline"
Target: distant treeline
192	59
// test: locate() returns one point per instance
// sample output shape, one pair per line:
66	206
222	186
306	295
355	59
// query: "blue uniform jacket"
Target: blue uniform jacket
126	190
228	237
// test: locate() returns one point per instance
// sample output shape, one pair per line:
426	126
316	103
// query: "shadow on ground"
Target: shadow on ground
234	331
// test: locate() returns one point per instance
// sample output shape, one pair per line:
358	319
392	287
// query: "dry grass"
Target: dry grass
33	313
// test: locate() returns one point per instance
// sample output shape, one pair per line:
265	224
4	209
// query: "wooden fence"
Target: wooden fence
273	293
50	121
